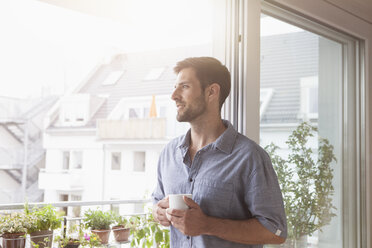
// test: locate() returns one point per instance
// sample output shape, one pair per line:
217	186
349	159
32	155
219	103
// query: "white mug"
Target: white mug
176	201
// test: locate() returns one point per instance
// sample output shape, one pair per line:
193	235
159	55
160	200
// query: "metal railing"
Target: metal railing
19	206
66	219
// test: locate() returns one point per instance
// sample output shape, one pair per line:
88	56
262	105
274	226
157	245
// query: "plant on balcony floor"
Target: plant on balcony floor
121	229
44	221
13	228
99	222
306	184
76	237
145	231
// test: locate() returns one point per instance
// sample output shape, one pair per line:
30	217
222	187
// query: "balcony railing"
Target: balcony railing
4	208
146	128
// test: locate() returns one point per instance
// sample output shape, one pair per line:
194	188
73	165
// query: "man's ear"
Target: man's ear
213	91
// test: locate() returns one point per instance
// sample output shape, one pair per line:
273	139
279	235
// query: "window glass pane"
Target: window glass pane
115	161
139	161
304	71
66	160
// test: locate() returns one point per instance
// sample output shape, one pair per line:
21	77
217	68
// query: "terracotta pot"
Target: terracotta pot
14	240
120	233
103	235
42	238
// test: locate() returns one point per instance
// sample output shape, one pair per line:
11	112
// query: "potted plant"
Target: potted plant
72	239
306	184
99	222
121	229
44	221
77	237
146	232
13	229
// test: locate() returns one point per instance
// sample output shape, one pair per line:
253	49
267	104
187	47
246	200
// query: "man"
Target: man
236	199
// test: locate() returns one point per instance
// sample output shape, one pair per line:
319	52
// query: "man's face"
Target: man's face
189	96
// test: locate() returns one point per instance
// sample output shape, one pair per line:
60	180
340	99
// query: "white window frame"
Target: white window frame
244	111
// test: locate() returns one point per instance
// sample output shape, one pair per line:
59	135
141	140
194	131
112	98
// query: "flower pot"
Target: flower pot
72	245
42	238
120	233
103	235
14	240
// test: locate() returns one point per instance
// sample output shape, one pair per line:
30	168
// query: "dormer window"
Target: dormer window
74	110
113	77
309	98
154	73
265	97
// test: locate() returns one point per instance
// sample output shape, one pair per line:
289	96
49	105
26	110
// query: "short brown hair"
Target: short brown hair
208	70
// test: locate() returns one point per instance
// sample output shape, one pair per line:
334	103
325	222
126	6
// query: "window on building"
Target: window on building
76	211
265	97
134	113
77	160
112	78
309	98
116	161
154	74
63	197
139	161
163	112
66	160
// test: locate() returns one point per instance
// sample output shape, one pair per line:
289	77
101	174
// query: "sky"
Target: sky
46	49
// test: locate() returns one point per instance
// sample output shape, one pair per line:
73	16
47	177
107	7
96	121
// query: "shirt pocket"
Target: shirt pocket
214	197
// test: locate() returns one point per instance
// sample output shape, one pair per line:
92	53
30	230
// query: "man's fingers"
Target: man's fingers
190	203
175	212
164	203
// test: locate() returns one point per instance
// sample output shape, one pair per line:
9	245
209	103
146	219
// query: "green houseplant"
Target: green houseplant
44	221
145	231
13	228
76	237
306	184
121	229
99	222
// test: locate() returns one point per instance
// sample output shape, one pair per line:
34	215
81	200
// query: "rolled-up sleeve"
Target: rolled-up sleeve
263	195
158	192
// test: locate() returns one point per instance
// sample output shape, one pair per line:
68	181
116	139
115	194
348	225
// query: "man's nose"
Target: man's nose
175	95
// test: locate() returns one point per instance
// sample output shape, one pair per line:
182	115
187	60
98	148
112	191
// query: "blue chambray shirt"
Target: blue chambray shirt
231	178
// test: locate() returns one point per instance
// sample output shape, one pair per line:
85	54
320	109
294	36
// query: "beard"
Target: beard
194	110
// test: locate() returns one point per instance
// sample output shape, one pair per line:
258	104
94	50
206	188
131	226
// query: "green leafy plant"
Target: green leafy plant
306	184
45	218
120	220
14	223
76	236
146	231
98	220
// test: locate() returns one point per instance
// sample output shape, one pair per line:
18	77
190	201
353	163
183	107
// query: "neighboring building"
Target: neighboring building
21	152
100	142
289	85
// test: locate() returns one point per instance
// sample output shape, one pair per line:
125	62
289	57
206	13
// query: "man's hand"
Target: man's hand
159	212
191	222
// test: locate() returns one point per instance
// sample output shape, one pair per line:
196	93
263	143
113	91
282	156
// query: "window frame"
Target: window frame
242	61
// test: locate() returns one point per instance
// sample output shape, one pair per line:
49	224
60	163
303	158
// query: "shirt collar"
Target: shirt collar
224	143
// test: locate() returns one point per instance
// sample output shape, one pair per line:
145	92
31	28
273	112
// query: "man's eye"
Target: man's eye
185	86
